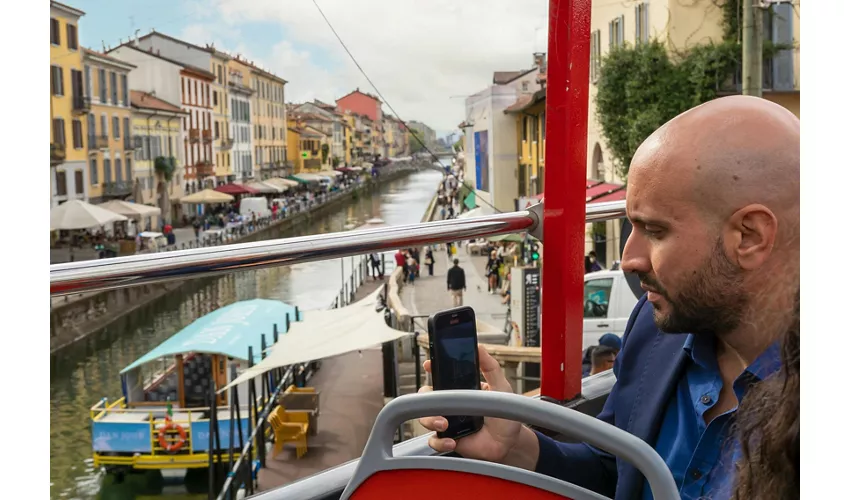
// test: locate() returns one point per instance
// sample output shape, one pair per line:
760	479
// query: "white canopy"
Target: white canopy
283	183
477	212
266	187
326	333
330	173
207	197
77	214
130	209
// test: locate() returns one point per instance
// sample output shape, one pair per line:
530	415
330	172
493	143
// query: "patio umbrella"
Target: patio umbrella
77	214
235	189
206	197
283	183
129	209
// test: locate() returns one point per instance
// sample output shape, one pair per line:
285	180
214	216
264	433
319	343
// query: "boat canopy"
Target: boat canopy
325	333
228	331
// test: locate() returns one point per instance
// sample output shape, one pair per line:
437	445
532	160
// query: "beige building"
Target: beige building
679	25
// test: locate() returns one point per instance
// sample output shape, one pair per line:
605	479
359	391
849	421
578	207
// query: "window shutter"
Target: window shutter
621	37
610	35
637	25
119	174
783	62
645	33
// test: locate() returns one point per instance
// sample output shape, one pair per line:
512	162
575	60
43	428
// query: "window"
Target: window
101	85
116	130
77	133
113	83
92	130
125	92
595	54
93	171
77	87
215	98
615	33
107	170
642	23
78	181
61	184
597	294
59	131
220	77
104	130
216	127
119	174
72	36
127	131
57	84
87	87
129	169
55	37
543	125
533	128
524	128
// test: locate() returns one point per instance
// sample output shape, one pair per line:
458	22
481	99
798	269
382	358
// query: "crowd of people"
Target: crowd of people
708	370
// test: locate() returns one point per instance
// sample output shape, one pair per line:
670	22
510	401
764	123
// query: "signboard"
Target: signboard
482	161
525	310
201	434
121	436
525	203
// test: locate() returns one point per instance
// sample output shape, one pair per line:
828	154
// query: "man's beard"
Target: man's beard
711	300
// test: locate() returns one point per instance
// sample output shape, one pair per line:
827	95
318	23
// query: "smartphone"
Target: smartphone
453	343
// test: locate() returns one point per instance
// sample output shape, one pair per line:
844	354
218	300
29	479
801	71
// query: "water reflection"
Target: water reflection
87	371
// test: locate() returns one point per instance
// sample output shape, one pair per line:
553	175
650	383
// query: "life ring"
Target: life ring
171	447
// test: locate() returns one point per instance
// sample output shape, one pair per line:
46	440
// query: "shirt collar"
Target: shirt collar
701	350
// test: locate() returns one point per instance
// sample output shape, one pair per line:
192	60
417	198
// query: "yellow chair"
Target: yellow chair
289	428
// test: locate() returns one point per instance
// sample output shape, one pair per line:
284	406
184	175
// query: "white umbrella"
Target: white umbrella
77	214
207	197
130	209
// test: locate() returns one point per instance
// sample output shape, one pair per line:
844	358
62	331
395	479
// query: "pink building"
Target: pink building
361	103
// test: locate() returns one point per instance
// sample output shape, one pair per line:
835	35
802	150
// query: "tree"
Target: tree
415	145
325	152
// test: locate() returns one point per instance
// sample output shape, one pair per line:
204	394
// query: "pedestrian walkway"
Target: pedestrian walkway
429	293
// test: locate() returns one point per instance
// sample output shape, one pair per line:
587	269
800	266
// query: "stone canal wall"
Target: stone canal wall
79	316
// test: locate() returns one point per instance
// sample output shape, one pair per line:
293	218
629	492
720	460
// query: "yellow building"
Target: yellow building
110	140
346	143
222	142
679	25
159	168
530	111
68	106
269	123
293	147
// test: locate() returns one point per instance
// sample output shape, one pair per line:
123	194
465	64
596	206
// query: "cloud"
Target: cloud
419	53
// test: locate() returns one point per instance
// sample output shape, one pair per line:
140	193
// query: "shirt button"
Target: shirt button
706	399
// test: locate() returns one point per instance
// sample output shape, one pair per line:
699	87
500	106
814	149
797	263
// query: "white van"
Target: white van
258	206
608	303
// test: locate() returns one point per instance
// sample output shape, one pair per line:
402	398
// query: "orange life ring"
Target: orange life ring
171	447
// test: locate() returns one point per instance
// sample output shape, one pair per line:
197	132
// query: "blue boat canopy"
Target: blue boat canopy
228	331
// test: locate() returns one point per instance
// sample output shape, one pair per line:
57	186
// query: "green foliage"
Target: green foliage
325	151
642	87
415	145
165	166
335	161
458	145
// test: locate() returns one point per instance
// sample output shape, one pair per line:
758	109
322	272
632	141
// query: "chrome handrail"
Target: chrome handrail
136	270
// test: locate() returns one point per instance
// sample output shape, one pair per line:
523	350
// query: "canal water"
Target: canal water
88	371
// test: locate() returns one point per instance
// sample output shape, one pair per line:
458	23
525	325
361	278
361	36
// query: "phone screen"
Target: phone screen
455	362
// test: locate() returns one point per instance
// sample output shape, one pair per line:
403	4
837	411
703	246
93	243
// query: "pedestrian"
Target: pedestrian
196	225
411	269
401	261
429	261
590	263
456	283
449	250
716	207
491	270
375	261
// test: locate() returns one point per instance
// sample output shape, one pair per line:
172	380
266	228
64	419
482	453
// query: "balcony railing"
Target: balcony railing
129	143
57	152
226	142
207	135
118	188
204	169
99	142
194	135
81	104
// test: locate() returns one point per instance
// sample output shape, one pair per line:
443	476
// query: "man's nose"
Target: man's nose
636	255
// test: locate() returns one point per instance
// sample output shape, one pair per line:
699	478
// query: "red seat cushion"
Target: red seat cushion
428	484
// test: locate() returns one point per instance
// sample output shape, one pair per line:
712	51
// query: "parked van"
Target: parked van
608	303
258	206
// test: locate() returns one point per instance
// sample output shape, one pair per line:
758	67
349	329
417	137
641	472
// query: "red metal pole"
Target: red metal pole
564	211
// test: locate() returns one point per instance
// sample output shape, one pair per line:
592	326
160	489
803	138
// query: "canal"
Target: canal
88	371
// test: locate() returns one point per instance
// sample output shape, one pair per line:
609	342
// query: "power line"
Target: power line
353	59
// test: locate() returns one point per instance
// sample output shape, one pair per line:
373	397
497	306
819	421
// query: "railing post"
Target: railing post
297	314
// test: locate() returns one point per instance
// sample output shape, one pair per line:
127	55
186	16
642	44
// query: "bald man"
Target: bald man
714	199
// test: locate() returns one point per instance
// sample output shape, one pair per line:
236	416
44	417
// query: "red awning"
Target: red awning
598	192
619	195
344	170
234	189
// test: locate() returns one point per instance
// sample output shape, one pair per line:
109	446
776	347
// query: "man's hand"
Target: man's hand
499	440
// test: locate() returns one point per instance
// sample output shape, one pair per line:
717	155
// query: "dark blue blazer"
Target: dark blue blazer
648	369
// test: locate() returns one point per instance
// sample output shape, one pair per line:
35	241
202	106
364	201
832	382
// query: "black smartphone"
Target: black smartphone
453	343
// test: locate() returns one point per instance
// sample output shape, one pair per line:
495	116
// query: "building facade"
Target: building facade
110	138
269	120
196	99
69	106
156	127
224	168
241	130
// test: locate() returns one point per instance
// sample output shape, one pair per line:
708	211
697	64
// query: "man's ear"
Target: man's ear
751	234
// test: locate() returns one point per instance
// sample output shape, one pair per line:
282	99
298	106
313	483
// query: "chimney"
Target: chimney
136	38
540	61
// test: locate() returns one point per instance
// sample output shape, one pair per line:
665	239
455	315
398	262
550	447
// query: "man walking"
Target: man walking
456	284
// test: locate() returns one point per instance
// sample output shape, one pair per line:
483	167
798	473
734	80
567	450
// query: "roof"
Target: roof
107	59
525	101
144	100
228	331
358	91
503	77
67	9
156	54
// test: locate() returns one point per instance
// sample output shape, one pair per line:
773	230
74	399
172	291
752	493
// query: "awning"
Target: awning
477	212
228	330
77	214
265	187
303	179
344	170
283	183
329	173
326	333
235	189
206	197
615	196
598	189
128	209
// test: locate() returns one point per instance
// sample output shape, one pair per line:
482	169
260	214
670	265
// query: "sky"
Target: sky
424	56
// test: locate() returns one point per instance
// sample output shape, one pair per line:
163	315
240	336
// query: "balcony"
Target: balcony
57	153
194	135
226	142
117	189
129	143
204	169
98	142
80	105
207	135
